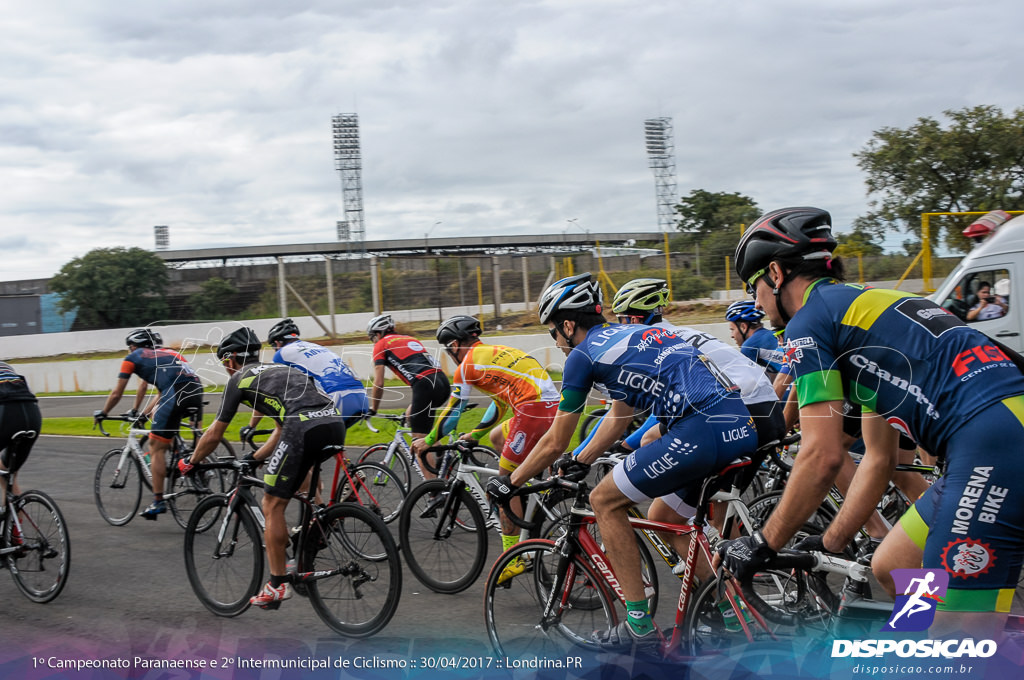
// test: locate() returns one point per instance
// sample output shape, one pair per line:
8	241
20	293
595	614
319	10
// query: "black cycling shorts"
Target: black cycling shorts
18	416
428	394
303	444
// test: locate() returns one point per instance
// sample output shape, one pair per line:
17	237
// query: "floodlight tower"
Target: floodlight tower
661	154
349	162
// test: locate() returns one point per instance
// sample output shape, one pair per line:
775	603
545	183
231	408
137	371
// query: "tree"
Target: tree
209	302
113	287
707	213
857	242
975	162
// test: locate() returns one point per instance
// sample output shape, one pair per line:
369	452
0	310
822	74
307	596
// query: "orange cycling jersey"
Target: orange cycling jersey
507	375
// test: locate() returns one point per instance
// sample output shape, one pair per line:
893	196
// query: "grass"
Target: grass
357	435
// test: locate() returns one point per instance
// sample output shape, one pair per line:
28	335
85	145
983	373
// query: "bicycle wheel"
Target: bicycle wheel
40	565
223	556
183	492
118	487
375	488
361	594
395	462
484	456
514	609
705	627
443	536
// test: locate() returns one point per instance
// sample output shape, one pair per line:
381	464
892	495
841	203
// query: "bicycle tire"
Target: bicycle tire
454	562
396	462
117	490
224	573
484	456
362	599
379	490
513	609
40	569
184	492
704	627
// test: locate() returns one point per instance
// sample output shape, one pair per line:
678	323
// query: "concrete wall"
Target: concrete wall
100	374
187	336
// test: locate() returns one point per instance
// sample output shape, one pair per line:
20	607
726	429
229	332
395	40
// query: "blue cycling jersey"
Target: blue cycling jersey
330	372
899	355
762	347
647	368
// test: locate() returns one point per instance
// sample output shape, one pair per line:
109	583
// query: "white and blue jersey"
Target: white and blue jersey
331	373
762	347
646	367
701	414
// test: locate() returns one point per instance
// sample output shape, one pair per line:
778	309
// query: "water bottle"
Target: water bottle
732	622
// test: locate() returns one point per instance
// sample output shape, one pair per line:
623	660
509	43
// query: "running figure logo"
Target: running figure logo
922	590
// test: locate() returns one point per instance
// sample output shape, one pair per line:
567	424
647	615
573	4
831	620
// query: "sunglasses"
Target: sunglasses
752	282
553	332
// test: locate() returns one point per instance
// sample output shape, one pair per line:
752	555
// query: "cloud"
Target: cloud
514	118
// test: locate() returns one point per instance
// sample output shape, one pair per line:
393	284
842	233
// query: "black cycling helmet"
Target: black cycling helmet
143	337
786	233
285	330
459	328
380	324
580	293
242	342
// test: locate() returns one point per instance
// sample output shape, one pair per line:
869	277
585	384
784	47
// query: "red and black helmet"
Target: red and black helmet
781	234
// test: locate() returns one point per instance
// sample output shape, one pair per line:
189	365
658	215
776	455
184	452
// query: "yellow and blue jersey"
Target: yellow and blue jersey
899	355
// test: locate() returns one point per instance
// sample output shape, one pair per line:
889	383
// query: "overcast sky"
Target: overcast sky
214	117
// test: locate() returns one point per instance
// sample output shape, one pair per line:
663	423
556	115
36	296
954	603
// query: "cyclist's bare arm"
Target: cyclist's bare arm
609	430
378	387
115	395
140	394
881	450
821	456
209	441
548	449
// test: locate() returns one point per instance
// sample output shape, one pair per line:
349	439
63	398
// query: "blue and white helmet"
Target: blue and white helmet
580	293
743	310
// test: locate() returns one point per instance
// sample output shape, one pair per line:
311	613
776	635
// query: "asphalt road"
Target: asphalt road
128	595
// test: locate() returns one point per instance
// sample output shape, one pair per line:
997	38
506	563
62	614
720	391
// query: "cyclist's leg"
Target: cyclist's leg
912	484
426	396
15	417
975	529
525	428
691	449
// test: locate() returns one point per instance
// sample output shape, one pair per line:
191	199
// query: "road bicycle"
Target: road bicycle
444	523
122	473
34	542
369	484
570	591
346	561
397	455
811	608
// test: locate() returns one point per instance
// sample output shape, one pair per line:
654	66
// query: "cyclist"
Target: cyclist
179	390
755	341
307	431
19	413
914	368
331	373
412	363
641	367
643	301
515	381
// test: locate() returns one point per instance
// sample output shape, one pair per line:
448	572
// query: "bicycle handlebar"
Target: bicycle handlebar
136	421
248	440
784	561
538	487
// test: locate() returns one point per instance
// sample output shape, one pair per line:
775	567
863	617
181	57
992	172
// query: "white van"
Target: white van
985	289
